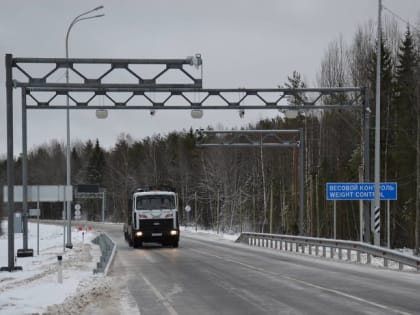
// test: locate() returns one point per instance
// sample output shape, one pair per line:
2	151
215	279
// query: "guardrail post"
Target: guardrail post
385	262
324	251
332	250
310	249
358	257
401	266
316	250
368	259
349	254
340	253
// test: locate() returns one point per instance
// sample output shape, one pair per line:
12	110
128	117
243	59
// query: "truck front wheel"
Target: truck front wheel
137	243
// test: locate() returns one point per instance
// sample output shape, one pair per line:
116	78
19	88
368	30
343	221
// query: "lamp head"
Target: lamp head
196	113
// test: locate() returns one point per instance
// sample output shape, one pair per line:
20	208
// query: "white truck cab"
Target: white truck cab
153	218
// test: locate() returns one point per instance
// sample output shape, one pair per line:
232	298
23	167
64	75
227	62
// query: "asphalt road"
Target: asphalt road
208	277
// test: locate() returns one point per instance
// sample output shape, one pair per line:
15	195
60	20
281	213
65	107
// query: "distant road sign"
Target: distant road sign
34	212
360	191
187	208
41	193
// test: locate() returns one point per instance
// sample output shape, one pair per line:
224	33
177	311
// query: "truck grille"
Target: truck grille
156	225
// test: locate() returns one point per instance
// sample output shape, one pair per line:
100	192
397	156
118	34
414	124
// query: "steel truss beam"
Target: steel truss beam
153	70
246	138
173	97
98	195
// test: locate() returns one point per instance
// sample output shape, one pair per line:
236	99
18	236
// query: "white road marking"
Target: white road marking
168	306
306	283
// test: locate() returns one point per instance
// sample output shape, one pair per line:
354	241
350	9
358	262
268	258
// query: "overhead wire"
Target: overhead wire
400	18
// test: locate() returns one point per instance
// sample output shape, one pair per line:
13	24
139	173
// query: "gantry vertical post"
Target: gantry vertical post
10	163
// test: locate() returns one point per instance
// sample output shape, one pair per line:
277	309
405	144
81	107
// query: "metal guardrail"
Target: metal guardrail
107	246
108	249
319	246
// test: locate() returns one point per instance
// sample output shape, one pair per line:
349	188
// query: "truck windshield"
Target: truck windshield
155	202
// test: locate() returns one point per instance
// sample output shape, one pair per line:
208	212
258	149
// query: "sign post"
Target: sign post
362	191
335	219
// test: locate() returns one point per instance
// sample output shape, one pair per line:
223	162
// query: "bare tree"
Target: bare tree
334	66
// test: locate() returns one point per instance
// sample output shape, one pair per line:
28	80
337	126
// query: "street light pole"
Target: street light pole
77	19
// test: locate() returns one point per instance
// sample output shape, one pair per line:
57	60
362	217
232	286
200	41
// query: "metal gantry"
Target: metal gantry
140	87
267	139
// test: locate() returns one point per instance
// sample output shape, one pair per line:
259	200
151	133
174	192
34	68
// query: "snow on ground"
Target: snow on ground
210	233
36	288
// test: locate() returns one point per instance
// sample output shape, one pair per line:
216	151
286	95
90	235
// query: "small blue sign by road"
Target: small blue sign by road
360	191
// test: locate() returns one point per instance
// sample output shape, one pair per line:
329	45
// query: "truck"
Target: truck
153	217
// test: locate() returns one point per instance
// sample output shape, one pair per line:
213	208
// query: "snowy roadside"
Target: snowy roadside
36	288
221	236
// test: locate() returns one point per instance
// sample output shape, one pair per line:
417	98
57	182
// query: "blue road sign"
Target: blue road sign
360	191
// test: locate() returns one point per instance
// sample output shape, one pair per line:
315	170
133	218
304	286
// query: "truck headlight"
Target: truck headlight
174	232
139	233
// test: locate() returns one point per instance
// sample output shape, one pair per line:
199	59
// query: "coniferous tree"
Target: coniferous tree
387	95
96	165
405	131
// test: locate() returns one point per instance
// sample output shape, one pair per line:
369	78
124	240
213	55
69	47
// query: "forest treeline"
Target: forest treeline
255	189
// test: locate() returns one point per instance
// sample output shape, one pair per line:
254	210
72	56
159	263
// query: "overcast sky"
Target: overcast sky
244	43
